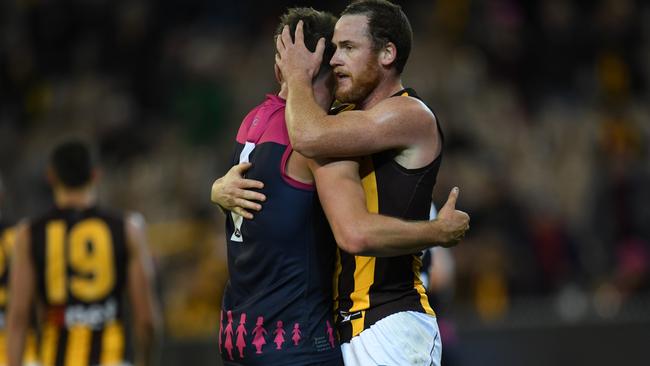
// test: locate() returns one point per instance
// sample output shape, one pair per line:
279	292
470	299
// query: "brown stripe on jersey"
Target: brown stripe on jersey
95	346
335	285
62	342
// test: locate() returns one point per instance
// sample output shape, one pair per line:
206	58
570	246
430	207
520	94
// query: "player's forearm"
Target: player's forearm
146	335
304	118
383	236
16	331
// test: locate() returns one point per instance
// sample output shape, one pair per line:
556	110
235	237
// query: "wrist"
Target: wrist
299	78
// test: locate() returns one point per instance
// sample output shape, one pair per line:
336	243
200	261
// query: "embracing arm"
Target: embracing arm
393	123
360	232
21	287
233	192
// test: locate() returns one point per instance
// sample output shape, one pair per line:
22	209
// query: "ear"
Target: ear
278	73
388	54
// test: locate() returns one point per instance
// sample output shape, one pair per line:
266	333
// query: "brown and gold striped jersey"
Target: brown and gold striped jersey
367	289
80	258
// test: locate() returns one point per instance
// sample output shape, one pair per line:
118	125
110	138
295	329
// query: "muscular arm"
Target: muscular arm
359	232
21	294
393	123
140	289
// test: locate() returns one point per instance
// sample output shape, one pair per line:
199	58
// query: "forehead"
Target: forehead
351	28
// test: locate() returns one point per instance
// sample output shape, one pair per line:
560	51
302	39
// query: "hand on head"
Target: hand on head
293	58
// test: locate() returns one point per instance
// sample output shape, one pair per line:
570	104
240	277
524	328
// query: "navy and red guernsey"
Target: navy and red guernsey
277	305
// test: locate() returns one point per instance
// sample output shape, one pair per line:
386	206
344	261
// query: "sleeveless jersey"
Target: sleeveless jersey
7	236
81	258
277	305
368	289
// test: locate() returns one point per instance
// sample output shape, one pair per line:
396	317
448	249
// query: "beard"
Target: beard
361	86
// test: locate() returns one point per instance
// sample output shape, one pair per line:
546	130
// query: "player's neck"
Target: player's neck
386	88
74	198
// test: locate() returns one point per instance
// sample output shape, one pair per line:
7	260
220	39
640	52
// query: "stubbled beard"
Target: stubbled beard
360	86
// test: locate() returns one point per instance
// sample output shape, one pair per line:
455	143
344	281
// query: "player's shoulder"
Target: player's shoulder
406	107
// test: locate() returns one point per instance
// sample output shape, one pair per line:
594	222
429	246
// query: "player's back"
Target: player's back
80	258
277	303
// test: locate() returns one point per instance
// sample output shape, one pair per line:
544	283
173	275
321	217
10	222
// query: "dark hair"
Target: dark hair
316	25
72	162
386	23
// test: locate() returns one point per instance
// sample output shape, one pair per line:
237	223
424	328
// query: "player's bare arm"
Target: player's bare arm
233	192
402	123
21	287
360	232
140	275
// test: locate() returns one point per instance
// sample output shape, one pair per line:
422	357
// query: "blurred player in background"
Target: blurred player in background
7	233
77	262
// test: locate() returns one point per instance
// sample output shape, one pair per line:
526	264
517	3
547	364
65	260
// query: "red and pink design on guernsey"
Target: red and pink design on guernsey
296	334
279	335
258	335
330	334
229	332
241	332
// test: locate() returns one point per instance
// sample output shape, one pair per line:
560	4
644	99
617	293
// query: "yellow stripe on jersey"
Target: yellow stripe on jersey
3	348
77	351
30	355
364	272
49	341
55	268
112	344
419	287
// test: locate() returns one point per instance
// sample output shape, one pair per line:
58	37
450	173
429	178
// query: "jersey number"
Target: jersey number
89	257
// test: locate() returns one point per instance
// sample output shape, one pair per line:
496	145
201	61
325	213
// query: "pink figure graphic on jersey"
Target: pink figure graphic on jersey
258	335
296	334
241	332
228	332
279	335
220	330
330	333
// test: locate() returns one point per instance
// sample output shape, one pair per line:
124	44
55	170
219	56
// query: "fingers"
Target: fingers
250	195
241	168
241	212
451	201
251	183
320	48
299	35
279	44
286	36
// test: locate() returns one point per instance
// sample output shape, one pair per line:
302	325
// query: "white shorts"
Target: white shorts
401	339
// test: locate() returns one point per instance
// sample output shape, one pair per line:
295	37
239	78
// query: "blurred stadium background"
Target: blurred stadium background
546	110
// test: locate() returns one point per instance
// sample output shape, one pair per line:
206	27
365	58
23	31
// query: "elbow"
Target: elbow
306	143
353	241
